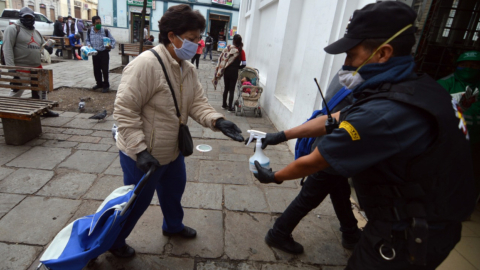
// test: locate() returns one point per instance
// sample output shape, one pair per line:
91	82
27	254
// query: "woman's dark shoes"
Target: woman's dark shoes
187	232
123	252
96	87
231	109
224	107
285	244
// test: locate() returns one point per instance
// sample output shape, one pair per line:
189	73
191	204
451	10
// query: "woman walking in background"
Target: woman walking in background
201	45
231	60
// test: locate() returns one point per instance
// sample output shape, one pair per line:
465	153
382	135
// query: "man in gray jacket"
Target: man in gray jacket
21	47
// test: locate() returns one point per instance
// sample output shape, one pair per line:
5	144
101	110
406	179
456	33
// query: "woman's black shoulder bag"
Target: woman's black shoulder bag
185	142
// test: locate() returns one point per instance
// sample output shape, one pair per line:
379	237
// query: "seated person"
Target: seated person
149	41
76	43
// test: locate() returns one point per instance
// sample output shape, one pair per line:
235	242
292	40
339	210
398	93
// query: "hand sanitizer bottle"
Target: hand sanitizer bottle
259	155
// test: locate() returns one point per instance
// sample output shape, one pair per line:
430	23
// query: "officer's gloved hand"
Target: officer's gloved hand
229	129
272	139
265	176
145	160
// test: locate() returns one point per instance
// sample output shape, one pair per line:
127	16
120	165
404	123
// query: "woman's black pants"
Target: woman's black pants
230	81
196	58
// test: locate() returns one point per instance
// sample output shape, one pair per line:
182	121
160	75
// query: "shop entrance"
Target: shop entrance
135	24
218	28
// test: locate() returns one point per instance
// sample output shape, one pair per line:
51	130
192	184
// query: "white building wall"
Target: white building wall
284	39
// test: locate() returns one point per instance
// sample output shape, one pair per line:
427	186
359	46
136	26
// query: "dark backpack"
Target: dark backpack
18	31
90	30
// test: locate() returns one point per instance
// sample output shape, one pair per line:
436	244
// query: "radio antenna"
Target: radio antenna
324	101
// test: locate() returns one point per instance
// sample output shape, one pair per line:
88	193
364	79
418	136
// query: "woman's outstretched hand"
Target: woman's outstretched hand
229	129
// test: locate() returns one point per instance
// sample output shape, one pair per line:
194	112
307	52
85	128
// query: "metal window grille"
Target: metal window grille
451	28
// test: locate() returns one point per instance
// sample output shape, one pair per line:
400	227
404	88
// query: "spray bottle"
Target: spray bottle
259	155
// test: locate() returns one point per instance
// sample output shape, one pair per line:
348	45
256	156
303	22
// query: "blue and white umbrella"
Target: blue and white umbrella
88	237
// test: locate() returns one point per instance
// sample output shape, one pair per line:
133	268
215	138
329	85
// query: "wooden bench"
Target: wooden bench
127	50
62	43
21	116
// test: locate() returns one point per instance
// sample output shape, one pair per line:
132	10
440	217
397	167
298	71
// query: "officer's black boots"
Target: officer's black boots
350	240
285	244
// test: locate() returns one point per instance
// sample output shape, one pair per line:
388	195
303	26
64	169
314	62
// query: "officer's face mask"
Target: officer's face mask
350	77
187	51
28	22
98	26
469	75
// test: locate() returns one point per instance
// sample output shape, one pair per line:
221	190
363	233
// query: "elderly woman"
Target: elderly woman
148	120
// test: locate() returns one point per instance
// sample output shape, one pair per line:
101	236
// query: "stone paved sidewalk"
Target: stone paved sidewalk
74	165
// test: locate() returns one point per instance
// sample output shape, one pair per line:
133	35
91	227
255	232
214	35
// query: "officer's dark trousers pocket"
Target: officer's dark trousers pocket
440	243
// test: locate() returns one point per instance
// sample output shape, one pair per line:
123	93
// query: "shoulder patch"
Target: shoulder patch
350	129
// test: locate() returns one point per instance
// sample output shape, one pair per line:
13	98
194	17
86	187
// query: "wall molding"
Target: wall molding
265	3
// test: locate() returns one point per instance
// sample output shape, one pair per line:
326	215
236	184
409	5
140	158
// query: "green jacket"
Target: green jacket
472	115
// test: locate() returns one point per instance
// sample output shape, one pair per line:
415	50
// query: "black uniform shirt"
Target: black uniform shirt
380	133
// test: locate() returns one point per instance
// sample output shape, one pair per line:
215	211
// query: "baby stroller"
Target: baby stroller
249	101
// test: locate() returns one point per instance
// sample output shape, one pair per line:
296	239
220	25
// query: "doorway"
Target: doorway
135	24
89	14
52	15
218	28
43	10
78	12
17	4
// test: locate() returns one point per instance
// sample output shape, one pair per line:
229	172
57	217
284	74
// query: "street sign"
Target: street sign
223	2
139	3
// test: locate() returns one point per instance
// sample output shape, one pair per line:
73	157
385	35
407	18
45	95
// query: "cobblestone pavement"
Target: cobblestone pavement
74	165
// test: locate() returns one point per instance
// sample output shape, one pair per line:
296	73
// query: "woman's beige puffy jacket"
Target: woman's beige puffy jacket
144	107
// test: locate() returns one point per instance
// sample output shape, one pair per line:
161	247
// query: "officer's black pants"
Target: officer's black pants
440	243
313	192
100	67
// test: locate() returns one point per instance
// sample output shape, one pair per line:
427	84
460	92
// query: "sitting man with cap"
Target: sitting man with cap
400	141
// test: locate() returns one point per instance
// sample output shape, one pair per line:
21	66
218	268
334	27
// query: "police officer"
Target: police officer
400	141
314	190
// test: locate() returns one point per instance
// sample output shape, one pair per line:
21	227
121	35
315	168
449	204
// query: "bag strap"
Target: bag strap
337	98
168	80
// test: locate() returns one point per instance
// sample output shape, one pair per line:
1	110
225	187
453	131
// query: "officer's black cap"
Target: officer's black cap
379	20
